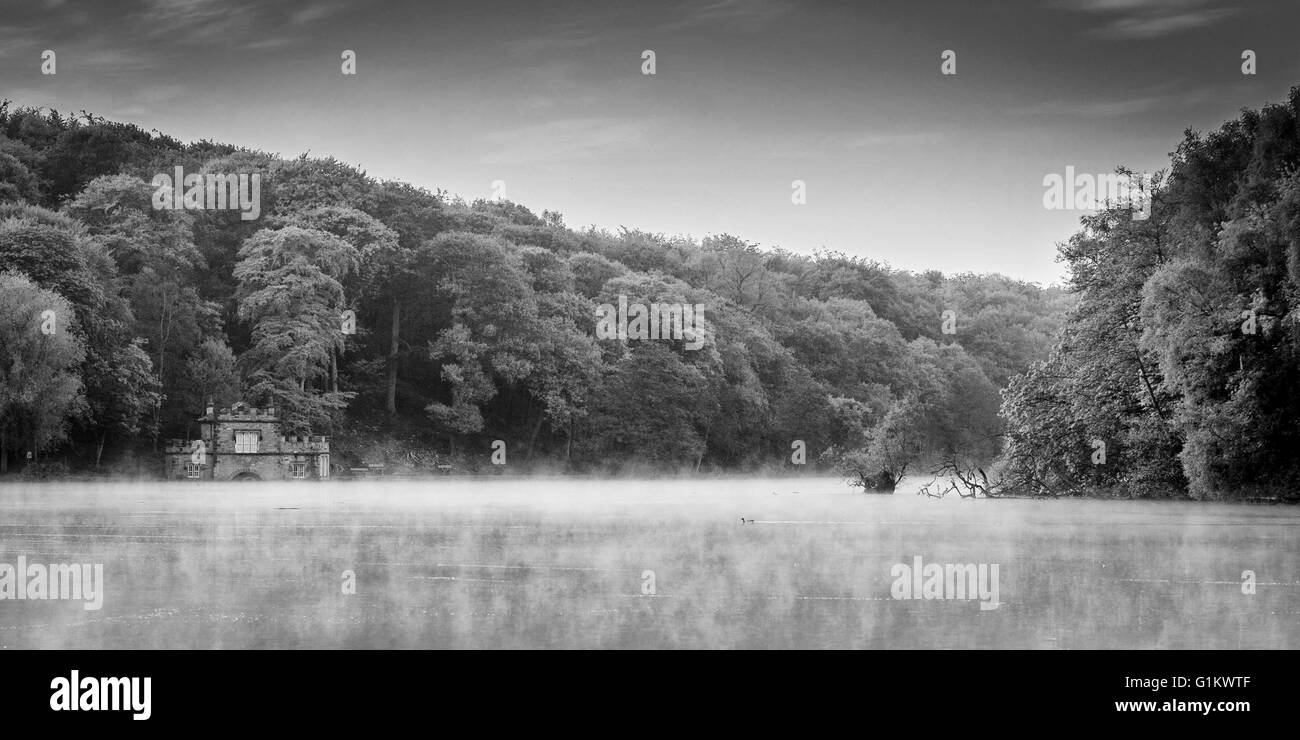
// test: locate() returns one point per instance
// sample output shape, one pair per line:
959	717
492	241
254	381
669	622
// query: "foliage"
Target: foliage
1179	360
476	321
40	389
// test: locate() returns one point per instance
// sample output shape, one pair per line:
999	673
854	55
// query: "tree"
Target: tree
1177	370
658	398
57	253
491	341
291	294
212	376
946	424
158	263
738	271
844	343
653	408
17	183
85	151
591	271
376	250
129	397
40	390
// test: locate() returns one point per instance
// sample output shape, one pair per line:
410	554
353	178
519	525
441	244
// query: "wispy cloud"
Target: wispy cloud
104	58
739	15
1146	102
132	34
274	42
314	13
1149	19
191	21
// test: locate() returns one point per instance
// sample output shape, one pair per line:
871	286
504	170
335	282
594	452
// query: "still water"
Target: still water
558	562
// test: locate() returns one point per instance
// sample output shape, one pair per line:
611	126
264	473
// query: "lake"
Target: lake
698	563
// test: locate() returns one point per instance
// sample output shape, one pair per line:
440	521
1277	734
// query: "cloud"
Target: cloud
739	15
313	13
1155	27
163	28
108	59
1151	100
1149	19
564	140
190	21
274	42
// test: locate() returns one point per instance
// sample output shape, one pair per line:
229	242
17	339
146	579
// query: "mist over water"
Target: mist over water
686	563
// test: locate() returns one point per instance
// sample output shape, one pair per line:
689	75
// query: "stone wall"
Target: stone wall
266	466
275	456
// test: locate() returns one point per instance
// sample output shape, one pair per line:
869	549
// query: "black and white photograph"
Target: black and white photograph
666	325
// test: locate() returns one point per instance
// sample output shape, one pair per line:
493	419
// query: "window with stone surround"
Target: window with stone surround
246	442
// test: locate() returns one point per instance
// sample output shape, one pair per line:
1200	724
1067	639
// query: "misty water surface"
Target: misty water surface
546	563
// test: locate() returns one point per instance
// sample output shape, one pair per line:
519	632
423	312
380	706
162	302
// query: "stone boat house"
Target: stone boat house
245	443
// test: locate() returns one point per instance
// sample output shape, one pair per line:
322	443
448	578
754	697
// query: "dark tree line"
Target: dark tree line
476	321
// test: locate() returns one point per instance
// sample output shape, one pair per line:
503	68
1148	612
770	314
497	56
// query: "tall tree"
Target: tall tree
291	294
394	275
40	390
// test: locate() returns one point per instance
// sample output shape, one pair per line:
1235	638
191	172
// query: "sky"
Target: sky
900	163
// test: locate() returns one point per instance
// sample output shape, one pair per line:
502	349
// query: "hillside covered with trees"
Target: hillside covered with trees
477	321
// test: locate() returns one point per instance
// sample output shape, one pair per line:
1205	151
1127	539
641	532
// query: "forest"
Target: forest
1164	367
